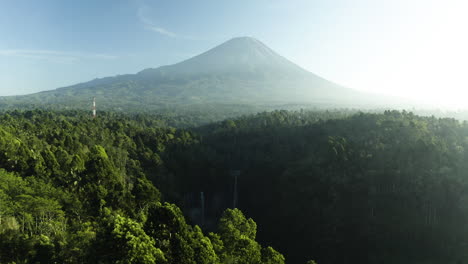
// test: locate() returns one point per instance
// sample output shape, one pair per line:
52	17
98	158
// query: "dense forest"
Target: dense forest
361	188
75	190
332	186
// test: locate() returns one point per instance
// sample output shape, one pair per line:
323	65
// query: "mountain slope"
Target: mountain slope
241	70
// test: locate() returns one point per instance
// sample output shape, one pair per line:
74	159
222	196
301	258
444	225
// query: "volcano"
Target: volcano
240	71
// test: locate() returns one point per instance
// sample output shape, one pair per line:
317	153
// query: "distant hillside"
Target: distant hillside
239	71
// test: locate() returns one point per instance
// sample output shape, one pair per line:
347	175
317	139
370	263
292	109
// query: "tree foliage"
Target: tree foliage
80	190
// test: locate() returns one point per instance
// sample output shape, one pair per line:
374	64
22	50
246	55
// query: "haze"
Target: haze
414	49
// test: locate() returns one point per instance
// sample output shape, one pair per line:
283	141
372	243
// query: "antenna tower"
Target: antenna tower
94	107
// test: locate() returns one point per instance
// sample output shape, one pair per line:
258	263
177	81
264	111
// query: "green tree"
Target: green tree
203	248
166	224
124	241
238	235
100	181
271	256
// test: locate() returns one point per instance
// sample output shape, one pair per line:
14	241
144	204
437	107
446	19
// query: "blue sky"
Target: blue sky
398	47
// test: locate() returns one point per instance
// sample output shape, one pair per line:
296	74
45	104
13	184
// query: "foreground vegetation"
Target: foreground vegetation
335	186
75	190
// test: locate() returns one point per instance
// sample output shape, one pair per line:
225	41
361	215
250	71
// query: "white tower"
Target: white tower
94	107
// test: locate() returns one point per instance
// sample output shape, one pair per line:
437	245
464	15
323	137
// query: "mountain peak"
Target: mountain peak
245	45
239	54
245	40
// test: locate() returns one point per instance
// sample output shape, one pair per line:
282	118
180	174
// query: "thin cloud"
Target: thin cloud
162	31
53	55
151	25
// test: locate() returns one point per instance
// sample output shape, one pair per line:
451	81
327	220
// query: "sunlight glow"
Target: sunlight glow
429	60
